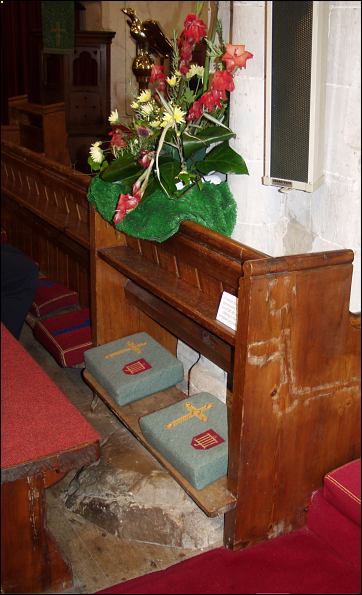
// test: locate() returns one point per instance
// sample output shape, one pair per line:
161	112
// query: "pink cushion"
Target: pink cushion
66	336
4	237
51	296
342	489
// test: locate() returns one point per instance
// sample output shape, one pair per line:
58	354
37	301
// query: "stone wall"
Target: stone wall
297	222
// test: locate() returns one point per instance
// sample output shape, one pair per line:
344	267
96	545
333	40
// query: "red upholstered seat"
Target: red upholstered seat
342	489
37	419
51	297
66	336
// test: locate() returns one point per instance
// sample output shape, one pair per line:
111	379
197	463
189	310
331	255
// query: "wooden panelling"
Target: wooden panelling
46	214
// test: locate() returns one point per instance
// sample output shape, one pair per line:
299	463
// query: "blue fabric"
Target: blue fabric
69	329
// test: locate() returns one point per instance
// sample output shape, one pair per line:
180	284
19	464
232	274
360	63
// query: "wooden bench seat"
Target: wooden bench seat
43	436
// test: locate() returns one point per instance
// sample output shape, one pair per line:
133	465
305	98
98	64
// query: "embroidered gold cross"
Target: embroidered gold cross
57	30
192	412
131	346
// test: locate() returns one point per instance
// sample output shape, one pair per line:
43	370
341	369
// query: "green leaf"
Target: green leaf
222	159
169	169
204	138
197	156
189	96
124	170
93	164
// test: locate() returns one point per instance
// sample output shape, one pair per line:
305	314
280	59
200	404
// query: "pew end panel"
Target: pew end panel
296	407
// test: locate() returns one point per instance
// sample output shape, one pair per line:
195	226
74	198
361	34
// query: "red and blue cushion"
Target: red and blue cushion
66	336
52	296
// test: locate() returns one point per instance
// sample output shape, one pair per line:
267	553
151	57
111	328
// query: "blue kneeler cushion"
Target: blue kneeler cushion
193	436
133	367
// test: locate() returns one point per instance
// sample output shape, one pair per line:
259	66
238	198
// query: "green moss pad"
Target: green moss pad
158	217
133	367
197	448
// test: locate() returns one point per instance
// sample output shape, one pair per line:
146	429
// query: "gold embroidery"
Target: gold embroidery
135	368
192	412
131	346
206	440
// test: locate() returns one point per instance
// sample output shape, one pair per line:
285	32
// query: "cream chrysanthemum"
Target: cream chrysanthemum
145	96
195	70
147	109
172	81
96	152
134	105
177	117
114	117
155	123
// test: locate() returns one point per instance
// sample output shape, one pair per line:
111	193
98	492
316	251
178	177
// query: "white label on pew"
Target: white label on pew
227	310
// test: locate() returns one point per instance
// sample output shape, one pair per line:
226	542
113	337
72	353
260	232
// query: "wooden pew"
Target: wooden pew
293	363
43	436
44	210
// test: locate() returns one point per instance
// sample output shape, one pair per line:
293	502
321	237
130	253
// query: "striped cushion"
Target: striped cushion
52	296
66	336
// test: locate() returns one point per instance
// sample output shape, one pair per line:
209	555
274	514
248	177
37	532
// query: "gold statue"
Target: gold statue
149	39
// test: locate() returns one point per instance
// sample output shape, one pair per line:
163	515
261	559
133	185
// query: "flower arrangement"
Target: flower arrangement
179	134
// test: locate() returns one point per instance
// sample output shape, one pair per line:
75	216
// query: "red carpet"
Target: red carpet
295	563
37	419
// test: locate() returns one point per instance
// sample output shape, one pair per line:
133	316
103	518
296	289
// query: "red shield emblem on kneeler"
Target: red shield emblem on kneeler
136	367
206	440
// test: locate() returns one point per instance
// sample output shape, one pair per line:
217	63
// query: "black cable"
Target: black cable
189	374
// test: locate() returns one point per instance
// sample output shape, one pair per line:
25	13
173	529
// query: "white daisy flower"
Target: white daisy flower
96	152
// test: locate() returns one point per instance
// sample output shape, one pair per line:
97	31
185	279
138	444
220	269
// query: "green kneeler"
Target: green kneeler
133	367
193	436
